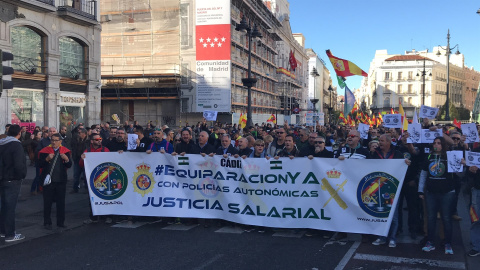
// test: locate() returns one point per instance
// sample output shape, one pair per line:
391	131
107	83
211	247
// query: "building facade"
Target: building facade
151	55
56	48
413	79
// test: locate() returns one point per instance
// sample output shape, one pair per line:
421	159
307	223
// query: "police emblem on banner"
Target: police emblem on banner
143	181
376	193
108	181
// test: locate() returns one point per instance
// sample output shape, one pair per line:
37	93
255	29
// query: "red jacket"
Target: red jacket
90	149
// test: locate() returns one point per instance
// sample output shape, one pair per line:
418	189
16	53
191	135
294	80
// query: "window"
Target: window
399	89
386	102
410	75
387	76
399	77
27	106
185	79
27	49
185	28
72	59
387	87
410	88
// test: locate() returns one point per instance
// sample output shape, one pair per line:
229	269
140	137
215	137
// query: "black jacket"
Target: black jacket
230	150
245	152
13	164
78	147
206	149
115	146
59	173
185	147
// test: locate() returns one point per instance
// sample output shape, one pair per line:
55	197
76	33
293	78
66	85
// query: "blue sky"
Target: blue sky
354	30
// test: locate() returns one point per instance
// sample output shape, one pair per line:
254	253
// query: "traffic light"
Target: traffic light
5	70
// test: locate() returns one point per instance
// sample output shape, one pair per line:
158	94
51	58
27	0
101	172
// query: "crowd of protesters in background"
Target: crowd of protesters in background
428	195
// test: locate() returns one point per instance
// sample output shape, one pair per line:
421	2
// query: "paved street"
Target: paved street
152	243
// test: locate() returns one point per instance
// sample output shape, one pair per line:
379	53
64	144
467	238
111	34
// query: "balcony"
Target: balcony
37	5
84	13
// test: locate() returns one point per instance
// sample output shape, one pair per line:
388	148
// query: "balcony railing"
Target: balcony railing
85	9
48	2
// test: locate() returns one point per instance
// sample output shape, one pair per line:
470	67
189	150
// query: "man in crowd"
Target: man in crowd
243	149
186	146
13	169
79	144
160	144
119	143
54	161
277	145
65	138
302	141
290	150
94	147
309	148
353	149
105	131
143	142
320	150
226	146
46	141
203	147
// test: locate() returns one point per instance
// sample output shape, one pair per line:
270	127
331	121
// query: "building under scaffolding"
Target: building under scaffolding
140	60
149	61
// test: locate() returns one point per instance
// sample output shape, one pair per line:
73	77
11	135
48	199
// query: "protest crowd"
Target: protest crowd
429	191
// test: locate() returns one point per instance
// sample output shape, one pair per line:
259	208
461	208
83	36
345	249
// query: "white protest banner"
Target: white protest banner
210	115
429	136
470	132
363	129
415	133
472	158
132	141
454	159
428	112
392	120
357	196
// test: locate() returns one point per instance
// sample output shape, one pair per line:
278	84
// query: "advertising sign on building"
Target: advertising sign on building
213	63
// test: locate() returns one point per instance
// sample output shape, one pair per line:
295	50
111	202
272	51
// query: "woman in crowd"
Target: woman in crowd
437	188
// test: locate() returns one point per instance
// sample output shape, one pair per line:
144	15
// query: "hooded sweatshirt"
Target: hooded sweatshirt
13	165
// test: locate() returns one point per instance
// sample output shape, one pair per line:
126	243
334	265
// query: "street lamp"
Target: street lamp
314	100
330	108
424	73
447	53
249	81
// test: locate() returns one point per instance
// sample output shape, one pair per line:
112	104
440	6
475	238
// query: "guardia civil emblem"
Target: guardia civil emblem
108	181
143	181
376	193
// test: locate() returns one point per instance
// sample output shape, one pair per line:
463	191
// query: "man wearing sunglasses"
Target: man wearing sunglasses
278	144
320	150
353	149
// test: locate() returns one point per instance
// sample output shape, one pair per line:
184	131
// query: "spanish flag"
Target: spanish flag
404	117
272	119
341	117
355	108
344	67
373	121
243	120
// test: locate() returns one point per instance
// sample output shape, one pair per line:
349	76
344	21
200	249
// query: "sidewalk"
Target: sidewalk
29	214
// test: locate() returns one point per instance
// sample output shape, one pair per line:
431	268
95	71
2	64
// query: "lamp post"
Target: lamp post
424	73
447	53
330	108
248	82
314	100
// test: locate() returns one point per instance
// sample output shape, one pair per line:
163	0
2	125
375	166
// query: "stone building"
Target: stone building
56	48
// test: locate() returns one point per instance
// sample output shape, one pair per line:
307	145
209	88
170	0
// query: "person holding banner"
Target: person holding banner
353	149
458	145
320	150
437	188
186	145
290	150
159	144
385	150
226	148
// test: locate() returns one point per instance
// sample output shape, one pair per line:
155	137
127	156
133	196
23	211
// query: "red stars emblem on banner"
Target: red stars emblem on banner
213	42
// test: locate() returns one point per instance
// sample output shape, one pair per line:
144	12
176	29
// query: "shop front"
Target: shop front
27	106
71	109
